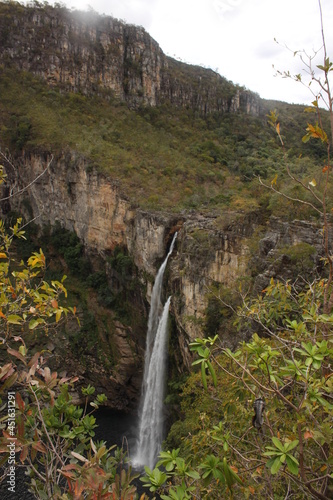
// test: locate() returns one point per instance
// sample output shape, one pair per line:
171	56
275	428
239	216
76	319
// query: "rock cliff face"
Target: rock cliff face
207	250
88	53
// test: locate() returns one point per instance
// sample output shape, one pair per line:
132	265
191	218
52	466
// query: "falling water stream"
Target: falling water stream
150	434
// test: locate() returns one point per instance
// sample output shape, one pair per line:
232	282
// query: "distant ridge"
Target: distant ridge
91	53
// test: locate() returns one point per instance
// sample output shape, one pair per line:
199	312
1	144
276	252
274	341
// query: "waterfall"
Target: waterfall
151	406
151	420
155	313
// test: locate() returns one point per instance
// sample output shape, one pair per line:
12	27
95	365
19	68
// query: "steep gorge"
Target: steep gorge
96	55
210	250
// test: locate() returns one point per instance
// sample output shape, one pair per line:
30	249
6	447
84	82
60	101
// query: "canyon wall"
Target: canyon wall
209	249
92	54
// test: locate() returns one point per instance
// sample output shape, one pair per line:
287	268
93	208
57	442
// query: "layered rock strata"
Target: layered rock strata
208	249
87	53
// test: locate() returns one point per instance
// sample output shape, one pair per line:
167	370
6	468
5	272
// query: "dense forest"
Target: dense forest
249	399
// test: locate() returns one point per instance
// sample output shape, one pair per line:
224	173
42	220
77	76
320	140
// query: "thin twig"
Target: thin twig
20	191
44	426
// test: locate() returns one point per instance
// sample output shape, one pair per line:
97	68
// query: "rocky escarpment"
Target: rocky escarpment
209	250
88	53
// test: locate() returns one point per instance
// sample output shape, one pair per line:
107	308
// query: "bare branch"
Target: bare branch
20	191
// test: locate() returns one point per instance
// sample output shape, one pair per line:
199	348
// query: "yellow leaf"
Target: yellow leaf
42	256
23	350
313	183
58	315
3	255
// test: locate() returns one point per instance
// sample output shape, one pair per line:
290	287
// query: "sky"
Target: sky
246	41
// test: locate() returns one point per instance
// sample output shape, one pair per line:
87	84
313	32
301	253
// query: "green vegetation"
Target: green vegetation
164	158
301	258
101	297
54	438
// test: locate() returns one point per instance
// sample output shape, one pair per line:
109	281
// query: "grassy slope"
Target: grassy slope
165	158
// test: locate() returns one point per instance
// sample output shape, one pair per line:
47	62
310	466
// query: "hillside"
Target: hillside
197	143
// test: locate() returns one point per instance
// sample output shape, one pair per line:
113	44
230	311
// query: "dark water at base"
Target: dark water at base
116	428
120	429
113	427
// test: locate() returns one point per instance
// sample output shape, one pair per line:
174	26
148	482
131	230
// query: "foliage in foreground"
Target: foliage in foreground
287	449
43	430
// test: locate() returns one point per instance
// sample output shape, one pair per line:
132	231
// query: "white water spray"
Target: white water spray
153	384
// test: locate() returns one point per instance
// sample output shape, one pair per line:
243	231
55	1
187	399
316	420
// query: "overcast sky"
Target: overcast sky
233	37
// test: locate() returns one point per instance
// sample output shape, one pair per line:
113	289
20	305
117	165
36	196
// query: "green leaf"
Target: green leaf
169	466
276	466
212	372
14	319
33	323
203	375
278	444
198	361
292	445
193	474
292	466
308	361
270	453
